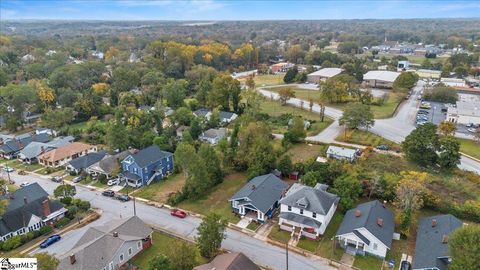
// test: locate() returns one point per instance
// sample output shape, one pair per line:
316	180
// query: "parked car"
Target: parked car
77	179
383	147
50	240
423	112
123	198
470	125
108	193
113	182
8	169
178	213
473	130
57	179
24	184
405	265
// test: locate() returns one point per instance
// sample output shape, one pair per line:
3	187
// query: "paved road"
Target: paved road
259	251
394	129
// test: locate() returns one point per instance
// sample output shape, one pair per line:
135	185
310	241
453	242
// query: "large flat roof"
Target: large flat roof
381	75
326	72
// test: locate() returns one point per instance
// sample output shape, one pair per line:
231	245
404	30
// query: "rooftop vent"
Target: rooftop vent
115	234
444	239
358	212
254	187
434	222
380	222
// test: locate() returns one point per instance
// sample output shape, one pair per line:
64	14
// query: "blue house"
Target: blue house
146	165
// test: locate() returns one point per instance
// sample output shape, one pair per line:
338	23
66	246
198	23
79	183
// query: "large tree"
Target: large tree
285	94
64	191
348	188
449	152
409	197
159	262
46	261
225	91
464	246
175	92
356	116
421	145
210	234
405	81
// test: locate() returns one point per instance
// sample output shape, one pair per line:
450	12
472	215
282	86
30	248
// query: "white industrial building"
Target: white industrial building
453	82
465	112
380	78
323	74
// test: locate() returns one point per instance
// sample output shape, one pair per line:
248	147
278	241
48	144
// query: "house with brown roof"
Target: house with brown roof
62	155
229	261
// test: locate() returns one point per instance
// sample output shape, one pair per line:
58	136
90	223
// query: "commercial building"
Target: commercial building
453	82
380	78
429	74
323	74
465	112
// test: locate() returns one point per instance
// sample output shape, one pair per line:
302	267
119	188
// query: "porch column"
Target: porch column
356	246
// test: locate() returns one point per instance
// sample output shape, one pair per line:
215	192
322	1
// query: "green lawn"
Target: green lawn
470	147
47	170
279	235
99	184
301	152
318	127
365	138
162	244
325	247
253	226
308	244
384	111
274	108
217	200
265	80
161	190
367	262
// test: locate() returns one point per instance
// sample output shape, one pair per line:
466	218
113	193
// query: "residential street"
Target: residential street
394	129
259	251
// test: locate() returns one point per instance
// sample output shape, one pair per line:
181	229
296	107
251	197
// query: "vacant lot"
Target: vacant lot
302	151
162	245
266	80
365	138
161	190
217	200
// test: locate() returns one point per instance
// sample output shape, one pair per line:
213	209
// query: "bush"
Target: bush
45	230
441	93
72	210
12	243
102	179
28	236
62	222
176	198
66	201
83	206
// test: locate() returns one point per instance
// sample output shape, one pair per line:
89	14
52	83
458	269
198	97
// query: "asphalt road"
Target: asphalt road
394	129
259	251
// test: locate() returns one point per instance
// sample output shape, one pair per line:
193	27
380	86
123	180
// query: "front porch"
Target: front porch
131	179
309	227
352	247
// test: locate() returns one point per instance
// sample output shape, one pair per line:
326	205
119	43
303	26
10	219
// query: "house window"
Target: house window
139	244
314	215
375	246
289	208
121	257
301	211
129	251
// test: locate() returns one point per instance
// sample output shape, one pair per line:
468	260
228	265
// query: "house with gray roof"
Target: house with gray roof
28	209
81	163
431	248
307	208
227	117
30	152
110	246
213	135
109	165
259	197
229	261
11	148
342	153
368	228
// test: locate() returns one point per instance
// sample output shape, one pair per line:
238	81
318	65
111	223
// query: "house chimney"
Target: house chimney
72	259
358	212
115	234
25	201
444	239
384	204
254	187
380	222
434	222
42	149
46	208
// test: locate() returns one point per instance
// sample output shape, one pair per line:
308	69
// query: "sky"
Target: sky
212	10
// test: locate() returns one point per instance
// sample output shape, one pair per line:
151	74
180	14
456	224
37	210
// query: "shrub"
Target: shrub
27	237
62	222
12	243
102	179
83	206
176	198
72	210
45	230
66	201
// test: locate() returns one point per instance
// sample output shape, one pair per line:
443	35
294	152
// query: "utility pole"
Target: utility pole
134	207
286	253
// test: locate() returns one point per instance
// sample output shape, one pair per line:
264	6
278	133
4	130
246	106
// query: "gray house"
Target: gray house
30	153
110	165
259	197
213	135
81	163
108	247
431	248
342	153
368	228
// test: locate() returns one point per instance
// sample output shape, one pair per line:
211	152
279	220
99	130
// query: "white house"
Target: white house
368	228
307	208
342	153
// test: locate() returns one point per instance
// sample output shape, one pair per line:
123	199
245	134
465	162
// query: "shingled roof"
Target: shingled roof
229	261
315	200
149	155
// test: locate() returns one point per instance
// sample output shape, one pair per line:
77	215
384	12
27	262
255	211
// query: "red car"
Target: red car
178	213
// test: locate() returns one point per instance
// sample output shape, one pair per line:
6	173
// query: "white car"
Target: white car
8	169
24	184
473	130
113	182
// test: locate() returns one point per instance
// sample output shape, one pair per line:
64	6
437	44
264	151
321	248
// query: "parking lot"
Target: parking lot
437	113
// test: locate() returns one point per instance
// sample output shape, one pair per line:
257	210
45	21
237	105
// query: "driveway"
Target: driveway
258	250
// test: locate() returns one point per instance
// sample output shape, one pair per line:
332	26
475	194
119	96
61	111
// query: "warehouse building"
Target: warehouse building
323	74
380	78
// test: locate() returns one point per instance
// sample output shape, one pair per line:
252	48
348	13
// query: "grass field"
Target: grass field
384	111
301	152
367	262
279	235
160	191
217	200
365	138
265	80
325	247
470	147
162	245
